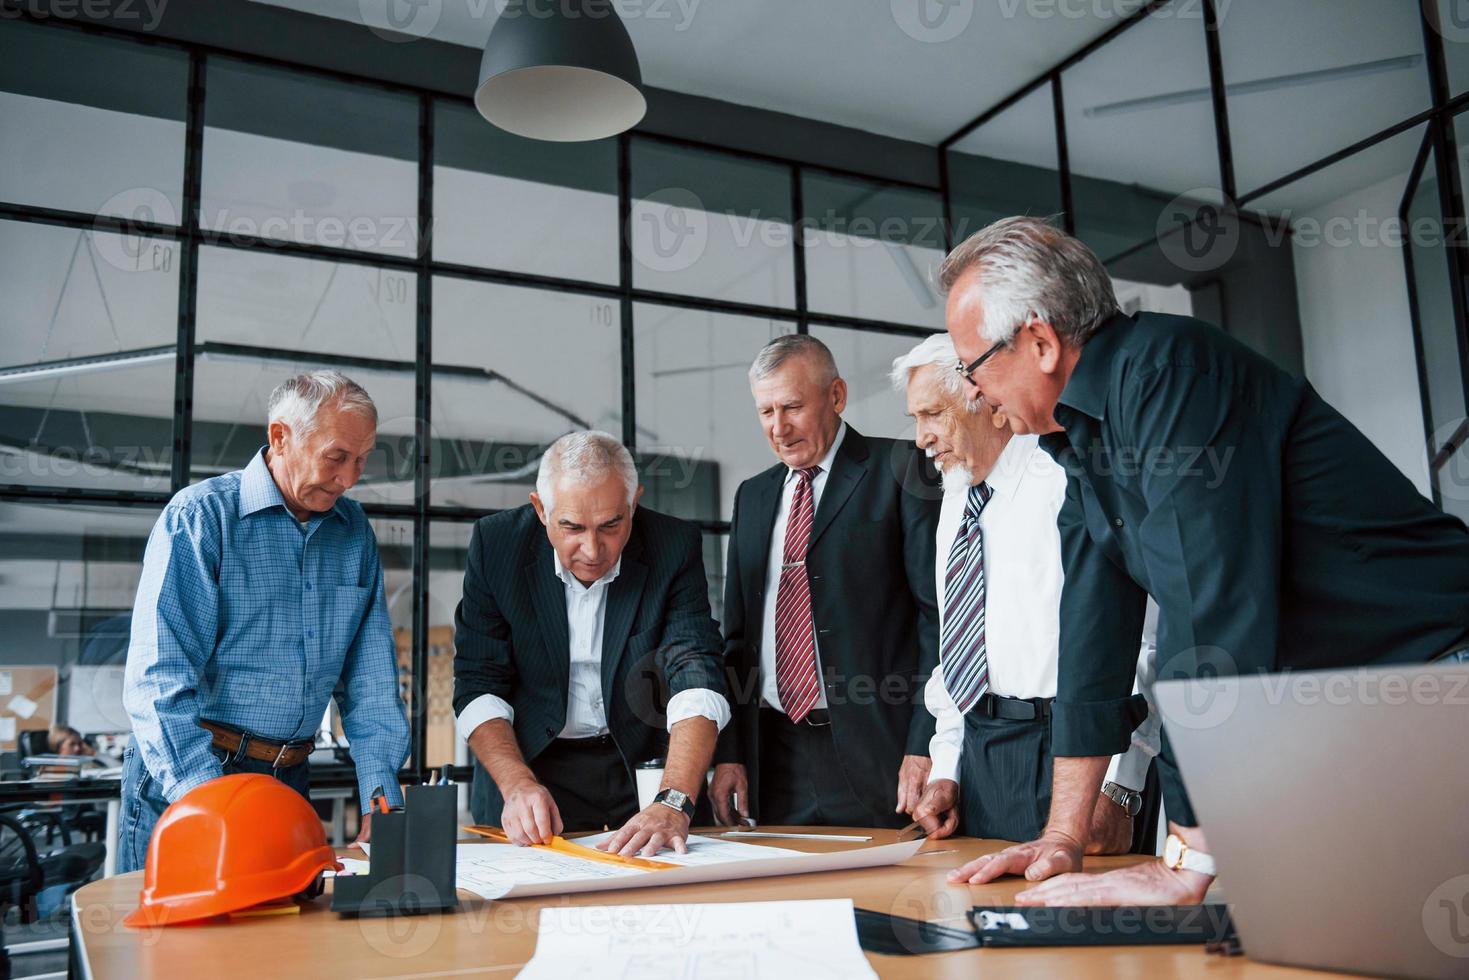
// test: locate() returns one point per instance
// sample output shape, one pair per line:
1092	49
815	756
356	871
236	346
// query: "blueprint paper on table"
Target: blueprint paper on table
706	850
732	941
506	871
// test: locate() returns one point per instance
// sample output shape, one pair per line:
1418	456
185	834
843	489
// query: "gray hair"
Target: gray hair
790	345
1030	268
297	401
585	458
936	351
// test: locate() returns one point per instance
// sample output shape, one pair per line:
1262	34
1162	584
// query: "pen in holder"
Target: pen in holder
411	859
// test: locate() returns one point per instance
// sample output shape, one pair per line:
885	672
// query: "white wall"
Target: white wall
1356	332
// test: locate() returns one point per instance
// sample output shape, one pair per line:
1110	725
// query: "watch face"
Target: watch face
677	797
1172	851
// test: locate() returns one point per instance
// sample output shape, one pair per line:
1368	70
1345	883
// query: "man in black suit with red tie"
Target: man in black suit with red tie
830	619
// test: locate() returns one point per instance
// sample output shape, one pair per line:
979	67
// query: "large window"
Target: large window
305	159
70	575
514	369
1329	236
506	202
698	434
318	238
86	388
1008	165
872	249
91	124
1327	89
709	224
1137	139
329	221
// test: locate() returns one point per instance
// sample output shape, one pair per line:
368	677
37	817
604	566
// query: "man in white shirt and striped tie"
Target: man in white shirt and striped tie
998	574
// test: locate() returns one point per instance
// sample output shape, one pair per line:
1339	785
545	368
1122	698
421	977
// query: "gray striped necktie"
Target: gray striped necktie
961	643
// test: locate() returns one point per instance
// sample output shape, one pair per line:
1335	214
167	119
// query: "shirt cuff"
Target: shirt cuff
486	707
1130	769
696	702
947	744
945	759
371	780
1091	728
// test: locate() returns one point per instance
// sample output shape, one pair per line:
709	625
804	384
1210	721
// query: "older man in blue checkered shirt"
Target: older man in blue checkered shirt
262	598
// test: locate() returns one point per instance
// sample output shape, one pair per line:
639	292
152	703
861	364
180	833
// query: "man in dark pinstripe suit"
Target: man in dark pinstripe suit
575	620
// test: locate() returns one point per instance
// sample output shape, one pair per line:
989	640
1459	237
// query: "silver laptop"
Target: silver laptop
1336	804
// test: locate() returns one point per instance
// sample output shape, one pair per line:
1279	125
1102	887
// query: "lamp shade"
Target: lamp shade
562	70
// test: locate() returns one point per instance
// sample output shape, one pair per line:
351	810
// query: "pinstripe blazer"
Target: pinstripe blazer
511	637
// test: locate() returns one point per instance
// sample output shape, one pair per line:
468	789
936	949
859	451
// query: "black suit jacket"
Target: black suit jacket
511	637
871	563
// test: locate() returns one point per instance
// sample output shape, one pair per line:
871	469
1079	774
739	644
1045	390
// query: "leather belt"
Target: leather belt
586	742
281	755
1013	709
816	717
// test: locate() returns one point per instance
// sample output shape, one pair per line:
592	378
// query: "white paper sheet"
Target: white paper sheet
22	706
733	941
707	850
506	871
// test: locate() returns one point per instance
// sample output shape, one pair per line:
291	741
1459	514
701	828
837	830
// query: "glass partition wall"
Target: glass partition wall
169	251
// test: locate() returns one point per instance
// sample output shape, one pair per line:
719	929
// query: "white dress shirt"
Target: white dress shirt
586	713
1023	577
768	690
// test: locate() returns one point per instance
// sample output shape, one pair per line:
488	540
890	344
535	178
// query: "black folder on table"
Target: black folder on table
1128	925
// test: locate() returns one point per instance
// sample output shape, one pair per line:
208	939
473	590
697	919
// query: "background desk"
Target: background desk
496	938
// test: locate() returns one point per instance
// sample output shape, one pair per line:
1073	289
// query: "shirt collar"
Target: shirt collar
1010	468
1086	389
570	580
258	490
831	453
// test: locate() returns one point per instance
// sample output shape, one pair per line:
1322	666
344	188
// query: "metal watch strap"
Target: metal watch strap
1130	800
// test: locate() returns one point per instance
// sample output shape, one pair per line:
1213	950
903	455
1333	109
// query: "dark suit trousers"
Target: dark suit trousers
588	781
1004	777
802	782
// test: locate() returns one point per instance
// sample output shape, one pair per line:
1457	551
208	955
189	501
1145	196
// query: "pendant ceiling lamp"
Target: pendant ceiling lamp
562	70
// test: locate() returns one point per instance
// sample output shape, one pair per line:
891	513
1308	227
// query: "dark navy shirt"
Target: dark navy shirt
1272	534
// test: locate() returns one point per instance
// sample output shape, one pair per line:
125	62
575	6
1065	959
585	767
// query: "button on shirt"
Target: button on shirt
773	566
1023	576
248	617
586	714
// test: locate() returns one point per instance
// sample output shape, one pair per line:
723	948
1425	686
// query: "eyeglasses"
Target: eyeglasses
968	372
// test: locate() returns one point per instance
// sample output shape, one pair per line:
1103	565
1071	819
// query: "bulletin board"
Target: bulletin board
27	702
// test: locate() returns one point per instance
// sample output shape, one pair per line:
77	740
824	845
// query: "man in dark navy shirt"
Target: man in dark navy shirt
1271	533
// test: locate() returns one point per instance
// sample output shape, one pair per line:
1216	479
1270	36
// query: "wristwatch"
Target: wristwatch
676	800
1180	857
1129	799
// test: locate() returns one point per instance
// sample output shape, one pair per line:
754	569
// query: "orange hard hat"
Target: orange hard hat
234	842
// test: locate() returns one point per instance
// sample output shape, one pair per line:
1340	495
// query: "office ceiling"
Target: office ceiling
914	69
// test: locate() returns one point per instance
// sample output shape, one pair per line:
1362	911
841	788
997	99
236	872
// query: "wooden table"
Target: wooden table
496	938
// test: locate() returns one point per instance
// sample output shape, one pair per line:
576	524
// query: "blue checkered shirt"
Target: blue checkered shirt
247	617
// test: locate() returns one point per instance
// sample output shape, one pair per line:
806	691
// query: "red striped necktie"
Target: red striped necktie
796	680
